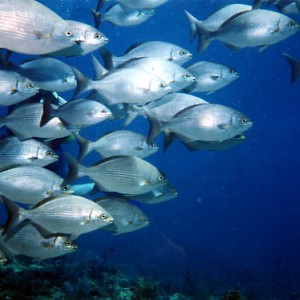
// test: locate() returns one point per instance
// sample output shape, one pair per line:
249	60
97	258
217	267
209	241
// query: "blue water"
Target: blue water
236	220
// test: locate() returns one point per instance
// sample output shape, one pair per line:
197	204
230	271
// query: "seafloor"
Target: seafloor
91	278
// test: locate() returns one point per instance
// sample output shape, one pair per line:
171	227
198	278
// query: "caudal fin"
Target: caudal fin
295	67
110	60
84	84
84	146
198	27
155	125
15	215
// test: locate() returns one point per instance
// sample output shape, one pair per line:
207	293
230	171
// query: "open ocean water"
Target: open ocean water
235	223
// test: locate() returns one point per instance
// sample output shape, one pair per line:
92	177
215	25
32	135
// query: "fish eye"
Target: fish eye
183	52
97	35
49	153
160	178
172	191
30	85
144	220
65	188
68	243
162	85
292	23
244	121
231	71
103	216
152	145
68	33
186	76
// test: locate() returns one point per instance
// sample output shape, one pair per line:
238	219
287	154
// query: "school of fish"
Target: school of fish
46	211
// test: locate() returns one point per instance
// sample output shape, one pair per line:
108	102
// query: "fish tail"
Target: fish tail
169	139
97	17
204	35
110	60
198	27
75	169
15	215
295	67
99	70
155	125
47	113
193	27
84	146
83	83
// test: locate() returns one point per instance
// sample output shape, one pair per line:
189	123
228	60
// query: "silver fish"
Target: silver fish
128	85
29	27
166	107
158	49
120	174
25	120
120	16
159	195
216	19
193	145
295	67
88	39
142	3
255	28
14	152
33	184
76	114
115	143
72	215
29	241
48	74
287	6
171	73
210	76
205	122
15	88
127	217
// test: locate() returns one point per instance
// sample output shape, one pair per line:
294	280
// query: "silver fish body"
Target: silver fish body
77	114
255	28
193	145
159	195
30	242
31	184
119	142
127	217
14	152
15	88
127	85
120	174
210	76
173	74
216	19
25	120
48	74
88	39
29	27
159	49
166	107
70	214
119	16
142	3
205	122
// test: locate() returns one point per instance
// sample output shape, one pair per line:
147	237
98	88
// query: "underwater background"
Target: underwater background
235	223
